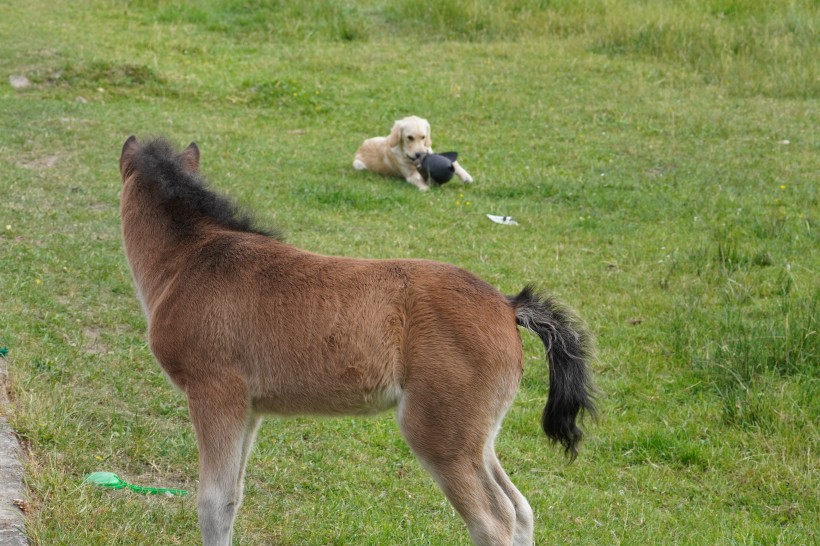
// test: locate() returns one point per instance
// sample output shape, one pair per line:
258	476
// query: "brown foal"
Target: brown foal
245	324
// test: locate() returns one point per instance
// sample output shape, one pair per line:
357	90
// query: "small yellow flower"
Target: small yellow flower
782	186
38	282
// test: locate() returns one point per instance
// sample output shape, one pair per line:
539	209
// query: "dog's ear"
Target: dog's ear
394	138
428	139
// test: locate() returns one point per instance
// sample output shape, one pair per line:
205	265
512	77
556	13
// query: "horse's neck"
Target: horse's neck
154	249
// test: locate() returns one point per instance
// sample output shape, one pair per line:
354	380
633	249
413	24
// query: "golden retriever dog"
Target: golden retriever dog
400	152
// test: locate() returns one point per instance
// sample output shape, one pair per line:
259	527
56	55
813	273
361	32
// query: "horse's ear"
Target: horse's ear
394	138
190	158
127	154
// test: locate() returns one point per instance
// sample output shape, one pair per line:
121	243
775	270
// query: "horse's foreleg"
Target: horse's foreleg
220	415
251	426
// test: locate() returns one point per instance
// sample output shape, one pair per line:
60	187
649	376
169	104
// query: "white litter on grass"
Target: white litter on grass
506	220
19	82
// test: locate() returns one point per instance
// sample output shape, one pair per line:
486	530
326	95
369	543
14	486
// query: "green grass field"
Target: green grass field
662	160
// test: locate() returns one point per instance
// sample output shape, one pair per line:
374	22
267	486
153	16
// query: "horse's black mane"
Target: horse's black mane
186	194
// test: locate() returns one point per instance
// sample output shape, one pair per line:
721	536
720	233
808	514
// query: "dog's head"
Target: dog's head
412	135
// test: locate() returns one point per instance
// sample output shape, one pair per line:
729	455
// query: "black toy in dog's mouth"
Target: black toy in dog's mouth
438	167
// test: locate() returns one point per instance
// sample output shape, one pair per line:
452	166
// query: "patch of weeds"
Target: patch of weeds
745	355
664	448
102	76
762	259
346	197
520	191
476	21
103	73
721	46
729	256
273	19
280	93
728	251
47	367
732	252
746	403
786	344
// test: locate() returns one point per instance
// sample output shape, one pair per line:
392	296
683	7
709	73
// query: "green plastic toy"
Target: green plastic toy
112	481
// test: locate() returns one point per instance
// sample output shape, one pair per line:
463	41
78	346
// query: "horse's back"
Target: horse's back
320	334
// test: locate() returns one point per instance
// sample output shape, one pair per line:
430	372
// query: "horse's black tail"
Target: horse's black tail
569	350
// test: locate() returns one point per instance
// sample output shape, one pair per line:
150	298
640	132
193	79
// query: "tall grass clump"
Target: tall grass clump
753	47
751	351
756	47
274	20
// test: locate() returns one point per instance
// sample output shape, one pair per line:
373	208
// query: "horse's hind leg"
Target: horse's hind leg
220	414
452	444
523	535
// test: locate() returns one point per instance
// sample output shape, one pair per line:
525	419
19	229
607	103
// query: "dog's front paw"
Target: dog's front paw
462	174
418	182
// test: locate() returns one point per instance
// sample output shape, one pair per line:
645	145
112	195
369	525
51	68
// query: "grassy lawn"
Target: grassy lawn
662	160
